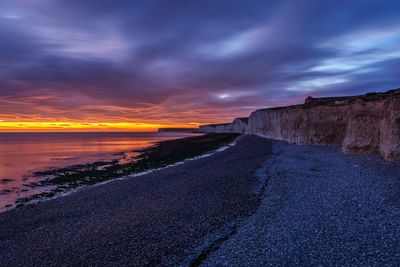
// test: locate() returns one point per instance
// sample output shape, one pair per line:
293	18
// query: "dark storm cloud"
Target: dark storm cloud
189	60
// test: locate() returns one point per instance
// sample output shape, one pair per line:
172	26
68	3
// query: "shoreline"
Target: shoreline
26	153
57	190
156	220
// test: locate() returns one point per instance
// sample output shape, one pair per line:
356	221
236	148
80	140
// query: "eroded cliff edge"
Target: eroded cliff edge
360	124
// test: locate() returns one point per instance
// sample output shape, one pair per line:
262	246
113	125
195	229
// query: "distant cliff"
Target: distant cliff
238	125
360	124
180	130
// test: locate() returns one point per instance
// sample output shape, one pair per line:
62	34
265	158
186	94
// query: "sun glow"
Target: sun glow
84	127
223	96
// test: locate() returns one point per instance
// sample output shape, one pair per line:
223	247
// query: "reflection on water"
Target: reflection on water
23	153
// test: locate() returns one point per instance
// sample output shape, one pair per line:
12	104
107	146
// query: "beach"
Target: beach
164	217
320	208
199	133
259	202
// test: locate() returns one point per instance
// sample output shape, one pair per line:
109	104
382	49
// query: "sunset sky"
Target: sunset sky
140	65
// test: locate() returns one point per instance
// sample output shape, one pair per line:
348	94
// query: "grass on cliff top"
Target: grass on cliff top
160	155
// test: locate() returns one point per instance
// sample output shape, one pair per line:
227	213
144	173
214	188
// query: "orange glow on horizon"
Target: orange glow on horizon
87	127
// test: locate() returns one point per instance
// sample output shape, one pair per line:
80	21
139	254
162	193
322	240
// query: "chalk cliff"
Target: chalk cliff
238	125
360	124
215	128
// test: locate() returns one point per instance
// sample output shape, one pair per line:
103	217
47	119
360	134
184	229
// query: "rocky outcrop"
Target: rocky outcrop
360	124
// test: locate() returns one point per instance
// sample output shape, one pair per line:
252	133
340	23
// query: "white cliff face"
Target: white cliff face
299	125
237	126
374	127
360	124
216	128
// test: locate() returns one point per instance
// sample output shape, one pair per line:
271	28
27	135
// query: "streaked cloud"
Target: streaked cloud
185	62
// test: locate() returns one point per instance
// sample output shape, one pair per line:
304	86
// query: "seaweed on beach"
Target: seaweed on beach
162	154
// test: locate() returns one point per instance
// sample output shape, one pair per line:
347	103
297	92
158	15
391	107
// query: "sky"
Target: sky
139	65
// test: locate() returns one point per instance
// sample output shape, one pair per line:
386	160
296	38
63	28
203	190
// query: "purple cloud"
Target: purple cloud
184	61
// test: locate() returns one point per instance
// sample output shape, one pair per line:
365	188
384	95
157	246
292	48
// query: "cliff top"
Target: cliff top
314	101
366	97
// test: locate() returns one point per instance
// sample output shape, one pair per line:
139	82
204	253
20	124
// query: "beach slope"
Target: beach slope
167	217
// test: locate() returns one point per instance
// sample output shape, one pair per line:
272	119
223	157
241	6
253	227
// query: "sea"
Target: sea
22	154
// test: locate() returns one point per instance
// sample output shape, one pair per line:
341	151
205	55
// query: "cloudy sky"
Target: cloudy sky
187	62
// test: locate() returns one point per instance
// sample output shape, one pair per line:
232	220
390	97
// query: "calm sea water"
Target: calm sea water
23	153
